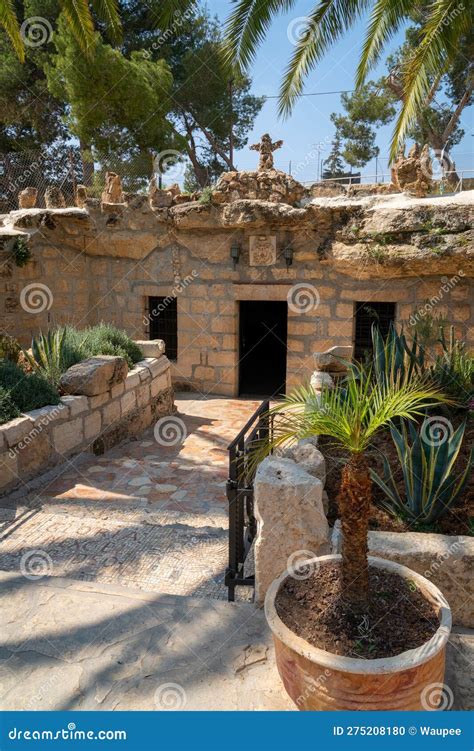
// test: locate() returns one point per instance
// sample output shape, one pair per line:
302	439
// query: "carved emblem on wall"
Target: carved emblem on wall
262	250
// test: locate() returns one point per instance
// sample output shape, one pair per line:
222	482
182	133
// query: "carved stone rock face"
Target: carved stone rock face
27	198
265	185
54	198
413	173
81	196
112	192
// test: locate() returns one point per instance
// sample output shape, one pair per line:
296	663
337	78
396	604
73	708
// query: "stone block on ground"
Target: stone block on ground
95	375
320	380
151	347
291	520
309	457
331	359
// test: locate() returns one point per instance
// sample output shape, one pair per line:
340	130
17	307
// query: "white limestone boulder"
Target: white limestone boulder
292	525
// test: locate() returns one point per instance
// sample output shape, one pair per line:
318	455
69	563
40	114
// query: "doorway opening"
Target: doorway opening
163	317
262	348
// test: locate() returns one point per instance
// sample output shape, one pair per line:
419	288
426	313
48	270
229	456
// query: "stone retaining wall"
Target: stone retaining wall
44	437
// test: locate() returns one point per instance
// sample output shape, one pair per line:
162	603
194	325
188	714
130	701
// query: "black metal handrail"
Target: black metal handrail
242	468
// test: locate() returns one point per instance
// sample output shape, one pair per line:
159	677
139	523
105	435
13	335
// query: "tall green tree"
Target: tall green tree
375	104
209	101
116	104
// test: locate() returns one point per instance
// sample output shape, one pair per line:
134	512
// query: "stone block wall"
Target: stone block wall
100	266
43	438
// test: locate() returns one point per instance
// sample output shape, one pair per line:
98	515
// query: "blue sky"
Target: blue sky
310	124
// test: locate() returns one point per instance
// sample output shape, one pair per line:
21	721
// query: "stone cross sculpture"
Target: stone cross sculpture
266	147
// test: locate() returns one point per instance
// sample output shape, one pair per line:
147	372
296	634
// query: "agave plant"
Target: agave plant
431	487
47	354
395	356
351	415
454	368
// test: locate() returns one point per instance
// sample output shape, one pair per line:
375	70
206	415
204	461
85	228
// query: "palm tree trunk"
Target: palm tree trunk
354	504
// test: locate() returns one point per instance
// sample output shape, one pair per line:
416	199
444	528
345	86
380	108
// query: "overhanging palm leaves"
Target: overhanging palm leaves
79	17
445	23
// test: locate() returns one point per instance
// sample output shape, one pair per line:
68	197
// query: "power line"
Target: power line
315	93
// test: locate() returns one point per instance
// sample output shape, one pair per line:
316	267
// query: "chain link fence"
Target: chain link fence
66	168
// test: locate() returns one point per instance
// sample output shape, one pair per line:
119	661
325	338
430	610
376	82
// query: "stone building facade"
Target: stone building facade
189	271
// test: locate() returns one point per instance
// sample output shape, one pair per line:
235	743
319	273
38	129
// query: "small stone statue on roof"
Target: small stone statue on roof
266	147
112	192
413	173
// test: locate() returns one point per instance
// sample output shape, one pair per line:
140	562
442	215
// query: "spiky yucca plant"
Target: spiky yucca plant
351	415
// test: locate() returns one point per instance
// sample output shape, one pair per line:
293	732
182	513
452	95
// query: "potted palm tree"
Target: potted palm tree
358	632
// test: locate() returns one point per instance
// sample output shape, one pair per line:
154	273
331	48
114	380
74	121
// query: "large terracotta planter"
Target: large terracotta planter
319	680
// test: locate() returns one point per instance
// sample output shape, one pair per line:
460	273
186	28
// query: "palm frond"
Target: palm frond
446	23
351	414
171	10
385	20
325	25
79	18
247	25
9	22
108	12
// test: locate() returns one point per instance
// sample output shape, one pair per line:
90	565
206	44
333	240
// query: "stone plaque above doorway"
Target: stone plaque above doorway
262	250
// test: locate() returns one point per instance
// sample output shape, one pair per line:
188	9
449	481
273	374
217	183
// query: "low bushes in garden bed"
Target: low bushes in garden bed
30	379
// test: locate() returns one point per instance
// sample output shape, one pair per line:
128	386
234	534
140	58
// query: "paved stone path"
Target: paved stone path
85	645
151	513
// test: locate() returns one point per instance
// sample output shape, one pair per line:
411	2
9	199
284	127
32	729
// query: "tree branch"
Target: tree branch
457	112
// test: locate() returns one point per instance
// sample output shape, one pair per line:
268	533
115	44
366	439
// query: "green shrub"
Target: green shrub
8	408
394	356
431	485
206	196
9	348
21	253
105	339
27	391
